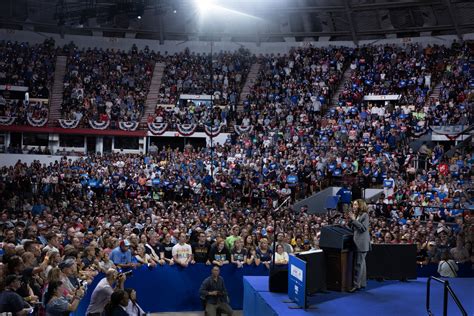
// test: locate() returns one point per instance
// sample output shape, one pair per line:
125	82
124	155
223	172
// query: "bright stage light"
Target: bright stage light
204	5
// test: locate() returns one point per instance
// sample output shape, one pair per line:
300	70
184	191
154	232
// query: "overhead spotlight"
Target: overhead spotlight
175	7
140	10
204	5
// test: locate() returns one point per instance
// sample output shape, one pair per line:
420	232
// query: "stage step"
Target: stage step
152	96
249	82
56	97
345	77
436	92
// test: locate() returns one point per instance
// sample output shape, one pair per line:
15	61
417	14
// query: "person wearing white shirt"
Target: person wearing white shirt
447	267
182	252
281	256
133	309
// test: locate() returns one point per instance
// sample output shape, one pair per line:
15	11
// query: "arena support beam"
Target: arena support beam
351	21
454	19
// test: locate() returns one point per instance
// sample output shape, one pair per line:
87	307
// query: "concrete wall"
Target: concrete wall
219	139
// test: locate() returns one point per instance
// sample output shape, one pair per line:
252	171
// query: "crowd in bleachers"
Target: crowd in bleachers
103	85
21	109
304	75
391	69
411	71
454	106
28	65
193	112
70	218
196	74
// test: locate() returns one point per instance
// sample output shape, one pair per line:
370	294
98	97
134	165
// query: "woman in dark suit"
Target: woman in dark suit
359	222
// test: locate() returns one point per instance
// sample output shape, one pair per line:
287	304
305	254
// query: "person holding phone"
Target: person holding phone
214	294
56	304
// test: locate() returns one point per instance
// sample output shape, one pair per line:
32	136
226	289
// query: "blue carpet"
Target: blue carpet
389	298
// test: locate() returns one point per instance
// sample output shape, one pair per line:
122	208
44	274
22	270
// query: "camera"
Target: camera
83	284
127	273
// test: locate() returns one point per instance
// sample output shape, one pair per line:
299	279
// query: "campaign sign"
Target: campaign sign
297	281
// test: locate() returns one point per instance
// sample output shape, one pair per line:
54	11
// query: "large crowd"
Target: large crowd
104	85
22	109
68	220
411	71
27	65
222	75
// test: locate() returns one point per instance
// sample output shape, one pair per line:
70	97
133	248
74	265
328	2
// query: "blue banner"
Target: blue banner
297	281
173	288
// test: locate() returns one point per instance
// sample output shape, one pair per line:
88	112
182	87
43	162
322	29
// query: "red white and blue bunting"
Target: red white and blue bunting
99	125
37	122
241	129
213	131
452	132
128	126
186	129
7	120
68	123
157	128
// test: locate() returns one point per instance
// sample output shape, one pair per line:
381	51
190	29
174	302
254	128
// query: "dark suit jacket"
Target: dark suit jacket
116	311
360	227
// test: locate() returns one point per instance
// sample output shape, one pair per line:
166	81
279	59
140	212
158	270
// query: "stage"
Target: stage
388	298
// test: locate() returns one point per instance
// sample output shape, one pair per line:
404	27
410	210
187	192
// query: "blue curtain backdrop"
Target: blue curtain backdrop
172	288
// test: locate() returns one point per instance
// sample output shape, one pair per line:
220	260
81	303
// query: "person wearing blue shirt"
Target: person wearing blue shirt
345	197
121	256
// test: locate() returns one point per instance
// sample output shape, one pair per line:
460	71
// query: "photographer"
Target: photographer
104	289
214	293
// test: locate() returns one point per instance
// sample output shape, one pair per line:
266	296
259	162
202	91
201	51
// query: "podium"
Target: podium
337	244
315	270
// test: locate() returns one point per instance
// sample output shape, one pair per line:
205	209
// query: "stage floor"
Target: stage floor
388	298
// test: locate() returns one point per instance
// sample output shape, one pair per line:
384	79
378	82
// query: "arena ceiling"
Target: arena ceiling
242	20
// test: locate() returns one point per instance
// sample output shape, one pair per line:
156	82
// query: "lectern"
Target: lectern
337	244
315	270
